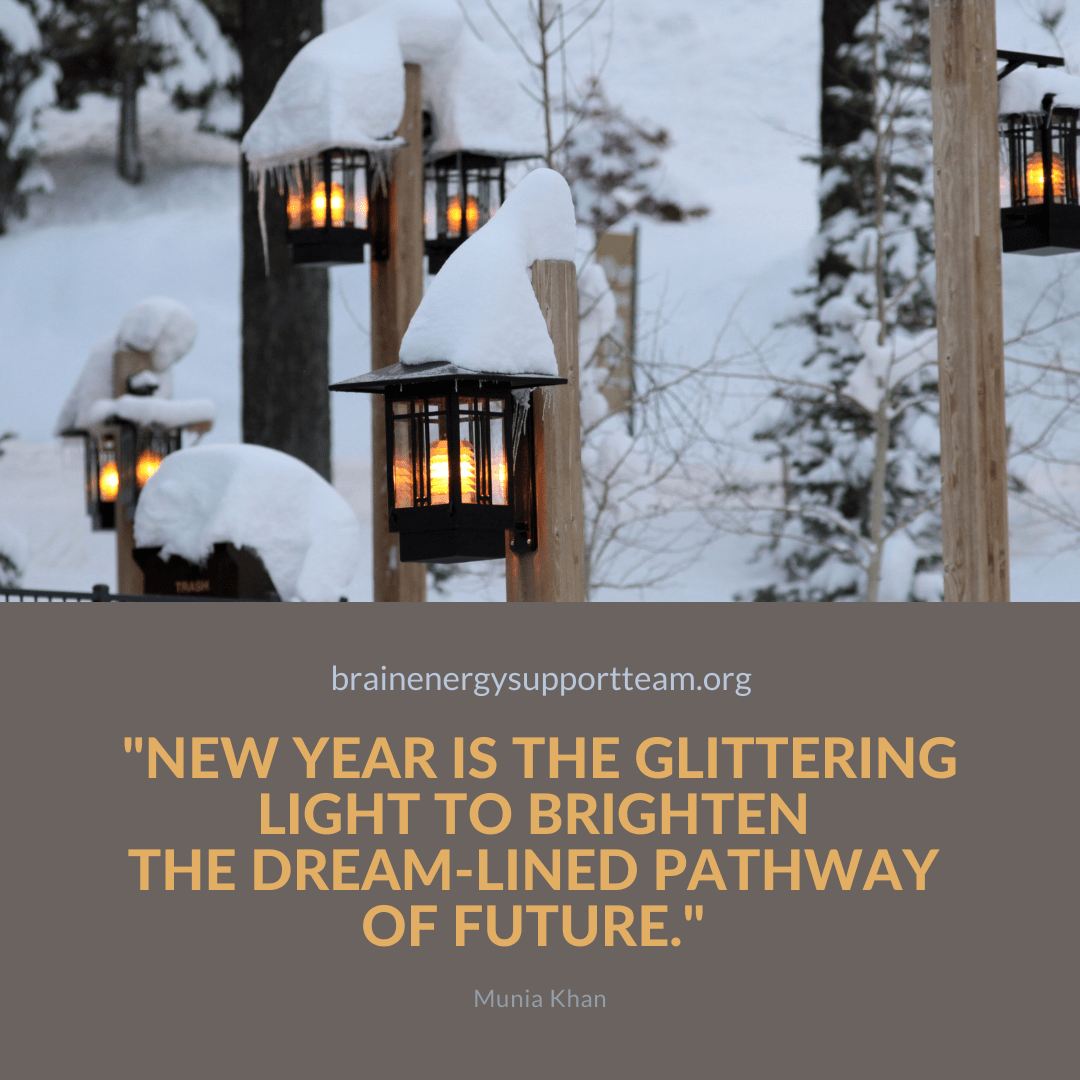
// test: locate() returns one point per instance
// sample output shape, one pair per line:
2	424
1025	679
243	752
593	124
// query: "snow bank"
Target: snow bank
162	327
1023	91
480	312
152	410
305	533
345	88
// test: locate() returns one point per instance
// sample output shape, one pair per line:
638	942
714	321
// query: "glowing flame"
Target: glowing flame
295	207
1035	178
149	462
453	214
108	482
440	472
337	205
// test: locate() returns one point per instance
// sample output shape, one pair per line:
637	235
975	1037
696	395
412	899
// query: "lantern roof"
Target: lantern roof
1023	90
345	89
438	371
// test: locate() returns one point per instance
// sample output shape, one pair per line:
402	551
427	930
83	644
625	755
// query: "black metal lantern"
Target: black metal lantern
120	458
335	206
459	459
461	192
1039	217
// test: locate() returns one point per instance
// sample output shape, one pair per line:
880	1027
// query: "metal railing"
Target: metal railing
101	594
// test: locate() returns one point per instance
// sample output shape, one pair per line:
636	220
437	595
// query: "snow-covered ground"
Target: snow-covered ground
736	84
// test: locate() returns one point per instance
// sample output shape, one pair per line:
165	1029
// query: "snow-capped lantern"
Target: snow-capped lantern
459	459
1038	136
462	191
333	209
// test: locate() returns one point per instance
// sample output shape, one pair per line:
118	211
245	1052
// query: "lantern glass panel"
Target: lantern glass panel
421	452
1034	145
152	445
482	438
107	469
342	175
454	183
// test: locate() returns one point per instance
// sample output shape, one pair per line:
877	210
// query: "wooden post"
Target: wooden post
129	577
974	507
397	287
556	570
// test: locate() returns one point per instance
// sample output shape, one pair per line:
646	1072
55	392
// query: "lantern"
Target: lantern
459	459
120	458
334	207
1040	212
461	192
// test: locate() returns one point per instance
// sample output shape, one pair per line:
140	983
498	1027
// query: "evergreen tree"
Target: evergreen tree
613	164
857	436
111	47
27	85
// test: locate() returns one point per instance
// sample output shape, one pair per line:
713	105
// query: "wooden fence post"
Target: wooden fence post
556	570
397	287
971	366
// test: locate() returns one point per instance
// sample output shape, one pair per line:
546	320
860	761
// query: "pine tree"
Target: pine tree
111	47
27	85
857	436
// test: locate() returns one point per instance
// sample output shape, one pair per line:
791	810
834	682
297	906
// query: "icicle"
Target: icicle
262	221
523	400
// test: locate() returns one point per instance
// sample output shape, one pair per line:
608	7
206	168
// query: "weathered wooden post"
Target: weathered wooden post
556	570
974	507
129	576
397	287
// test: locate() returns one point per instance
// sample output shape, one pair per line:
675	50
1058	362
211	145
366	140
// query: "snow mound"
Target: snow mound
1023	91
305	533
346	88
152	410
480	313
162	327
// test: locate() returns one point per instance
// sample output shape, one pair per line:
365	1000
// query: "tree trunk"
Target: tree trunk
286	322
842	121
128	161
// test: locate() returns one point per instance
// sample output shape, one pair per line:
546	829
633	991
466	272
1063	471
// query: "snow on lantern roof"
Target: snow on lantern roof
345	89
480	313
478	105
163	327
1023	90
147	411
305	533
